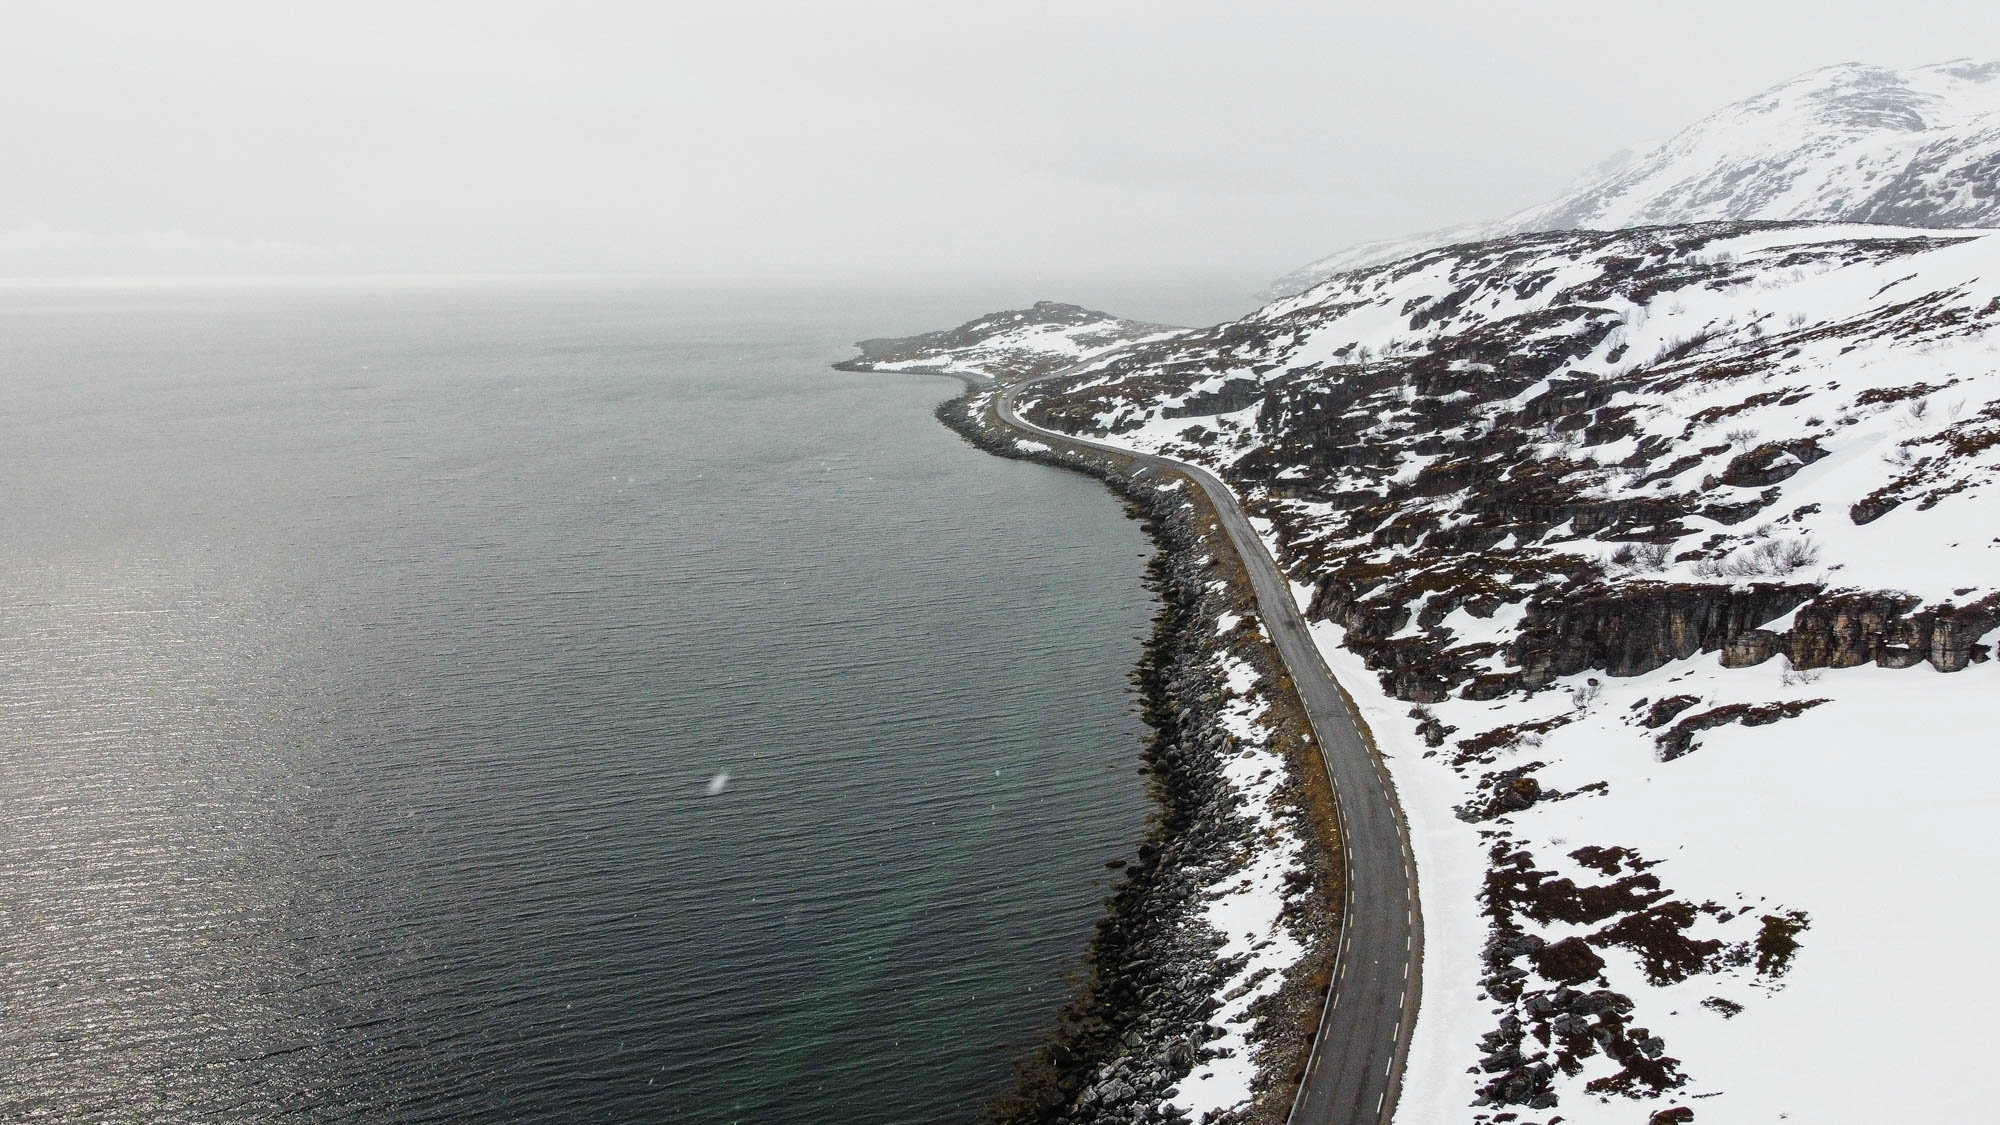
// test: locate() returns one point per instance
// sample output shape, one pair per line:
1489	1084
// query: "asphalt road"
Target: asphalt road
1356	1070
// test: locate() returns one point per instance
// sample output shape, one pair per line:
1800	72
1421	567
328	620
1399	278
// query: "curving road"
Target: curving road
1356	1069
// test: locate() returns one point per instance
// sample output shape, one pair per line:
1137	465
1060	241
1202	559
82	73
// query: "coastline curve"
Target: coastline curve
1354	1071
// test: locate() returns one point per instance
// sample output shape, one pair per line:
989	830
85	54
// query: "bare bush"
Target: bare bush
1583	695
1772	557
1642	556
1792	554
1794	676
1684	346
1740	437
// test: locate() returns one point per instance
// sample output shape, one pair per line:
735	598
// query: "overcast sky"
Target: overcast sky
823	140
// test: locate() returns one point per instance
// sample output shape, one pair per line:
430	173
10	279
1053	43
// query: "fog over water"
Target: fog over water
903	139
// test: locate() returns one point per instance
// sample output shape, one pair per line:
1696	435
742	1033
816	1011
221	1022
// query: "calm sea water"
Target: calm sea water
369	654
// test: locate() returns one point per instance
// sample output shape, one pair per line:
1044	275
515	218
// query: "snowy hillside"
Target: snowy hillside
1660	562
1850	143
1007	346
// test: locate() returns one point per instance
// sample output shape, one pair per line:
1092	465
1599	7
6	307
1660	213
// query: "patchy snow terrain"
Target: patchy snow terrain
1851	143
1006	346
1660	563
1246	906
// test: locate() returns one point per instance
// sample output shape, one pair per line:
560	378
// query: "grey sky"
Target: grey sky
808	140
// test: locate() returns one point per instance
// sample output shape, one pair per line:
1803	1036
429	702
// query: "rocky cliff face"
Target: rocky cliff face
1851	143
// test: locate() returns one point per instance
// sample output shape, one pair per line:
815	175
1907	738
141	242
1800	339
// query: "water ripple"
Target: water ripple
367	658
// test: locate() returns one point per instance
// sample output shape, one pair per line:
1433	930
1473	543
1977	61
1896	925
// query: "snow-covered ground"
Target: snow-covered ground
1873	814
1245	904
1009	345
1752	891
1662	564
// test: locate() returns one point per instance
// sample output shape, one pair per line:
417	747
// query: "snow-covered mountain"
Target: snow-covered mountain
1661	564
1851	143
1655	532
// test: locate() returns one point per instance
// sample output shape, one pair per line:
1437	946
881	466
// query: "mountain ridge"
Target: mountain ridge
1660	561
1848	143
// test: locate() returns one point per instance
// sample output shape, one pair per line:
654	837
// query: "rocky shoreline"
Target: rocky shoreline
1151	1015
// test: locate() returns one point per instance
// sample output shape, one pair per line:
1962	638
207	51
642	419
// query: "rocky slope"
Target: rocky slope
1850	143
1662	563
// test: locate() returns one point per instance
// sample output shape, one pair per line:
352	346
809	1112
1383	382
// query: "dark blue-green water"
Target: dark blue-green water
368	654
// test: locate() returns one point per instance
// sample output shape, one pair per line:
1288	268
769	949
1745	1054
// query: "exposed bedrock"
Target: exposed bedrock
1631	629
1845	630
1770	463
1627	631
1679	740
1623	631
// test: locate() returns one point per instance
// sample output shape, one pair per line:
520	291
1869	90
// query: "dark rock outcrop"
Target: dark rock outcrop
1663	711
1770	463
1569	961
1680	739
1844	630
1633	629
